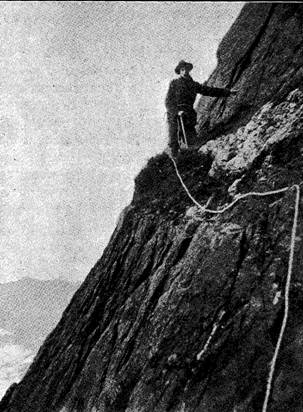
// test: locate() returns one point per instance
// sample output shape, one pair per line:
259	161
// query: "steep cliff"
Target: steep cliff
262	56
184	309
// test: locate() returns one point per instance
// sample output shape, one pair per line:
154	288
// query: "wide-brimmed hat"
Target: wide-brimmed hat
183	64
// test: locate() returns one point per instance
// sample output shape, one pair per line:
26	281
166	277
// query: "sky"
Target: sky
82	90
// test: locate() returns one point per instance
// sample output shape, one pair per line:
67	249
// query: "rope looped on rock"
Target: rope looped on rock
290	264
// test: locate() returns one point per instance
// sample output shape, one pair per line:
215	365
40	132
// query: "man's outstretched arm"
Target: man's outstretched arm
214	91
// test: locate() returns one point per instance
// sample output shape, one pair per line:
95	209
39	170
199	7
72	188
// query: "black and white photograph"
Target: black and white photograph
151	218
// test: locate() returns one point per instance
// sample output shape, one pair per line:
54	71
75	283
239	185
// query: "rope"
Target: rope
290	265
220	211
215	327
286	309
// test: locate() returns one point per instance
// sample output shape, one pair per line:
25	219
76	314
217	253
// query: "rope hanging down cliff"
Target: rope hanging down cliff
287	287
290	261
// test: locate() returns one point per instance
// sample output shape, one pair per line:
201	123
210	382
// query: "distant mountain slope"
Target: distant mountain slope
30	308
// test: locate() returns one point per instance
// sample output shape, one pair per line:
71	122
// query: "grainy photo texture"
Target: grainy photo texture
151	212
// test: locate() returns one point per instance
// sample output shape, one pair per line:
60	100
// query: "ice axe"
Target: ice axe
184	139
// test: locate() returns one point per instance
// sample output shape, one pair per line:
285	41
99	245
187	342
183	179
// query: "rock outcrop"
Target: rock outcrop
262	57
184	309
235	153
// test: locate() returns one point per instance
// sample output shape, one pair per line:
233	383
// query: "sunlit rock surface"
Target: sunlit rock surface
270	127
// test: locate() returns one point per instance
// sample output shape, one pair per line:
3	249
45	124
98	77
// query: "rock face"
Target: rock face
184	309
235	153
262	57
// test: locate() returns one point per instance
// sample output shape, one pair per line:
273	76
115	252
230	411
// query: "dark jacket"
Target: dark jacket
182	94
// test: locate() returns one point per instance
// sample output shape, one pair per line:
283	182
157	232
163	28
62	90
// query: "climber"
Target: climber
179	102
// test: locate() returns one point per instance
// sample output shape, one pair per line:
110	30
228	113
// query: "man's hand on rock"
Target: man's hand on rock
180	113
233	91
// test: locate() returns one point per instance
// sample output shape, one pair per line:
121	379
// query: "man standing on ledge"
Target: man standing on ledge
179	102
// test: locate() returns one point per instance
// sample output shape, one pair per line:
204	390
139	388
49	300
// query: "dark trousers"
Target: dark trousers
175	130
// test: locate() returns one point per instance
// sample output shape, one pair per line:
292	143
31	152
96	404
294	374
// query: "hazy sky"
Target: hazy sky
81	111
